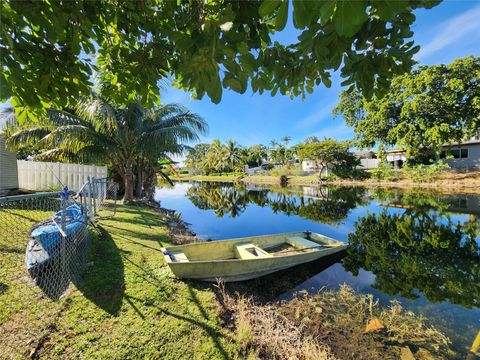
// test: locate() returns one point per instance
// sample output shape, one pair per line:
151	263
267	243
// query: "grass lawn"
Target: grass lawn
128	304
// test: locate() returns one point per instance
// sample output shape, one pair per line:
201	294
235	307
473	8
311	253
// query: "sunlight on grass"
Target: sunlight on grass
127	306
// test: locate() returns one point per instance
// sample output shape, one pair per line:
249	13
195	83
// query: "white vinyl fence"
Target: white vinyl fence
369	163
42	176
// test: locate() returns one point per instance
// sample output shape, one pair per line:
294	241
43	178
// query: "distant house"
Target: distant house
8	163
464	155
309	166
368	159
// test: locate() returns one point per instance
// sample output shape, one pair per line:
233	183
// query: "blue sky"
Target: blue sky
448	31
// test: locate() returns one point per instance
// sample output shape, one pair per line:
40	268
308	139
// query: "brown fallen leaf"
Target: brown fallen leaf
374	325
406	354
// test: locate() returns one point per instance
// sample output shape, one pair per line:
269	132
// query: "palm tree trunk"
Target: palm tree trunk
128	180
139	179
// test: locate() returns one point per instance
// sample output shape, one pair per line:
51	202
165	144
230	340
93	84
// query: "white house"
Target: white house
309	165
8	163
464	155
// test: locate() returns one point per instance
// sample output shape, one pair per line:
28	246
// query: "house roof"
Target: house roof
463	143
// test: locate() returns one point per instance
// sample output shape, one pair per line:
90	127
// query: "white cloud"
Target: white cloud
338	131
452	31
316	117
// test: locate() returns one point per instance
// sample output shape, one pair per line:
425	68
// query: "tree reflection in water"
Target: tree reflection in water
419	249
328	205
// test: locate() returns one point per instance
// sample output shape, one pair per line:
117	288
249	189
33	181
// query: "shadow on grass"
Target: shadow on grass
211	332
137	234
156	239
129	300
197	302
3	288
104	283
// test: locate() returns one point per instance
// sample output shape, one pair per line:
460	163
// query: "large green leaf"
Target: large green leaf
302	12
282	16
387	9
349	17
267	7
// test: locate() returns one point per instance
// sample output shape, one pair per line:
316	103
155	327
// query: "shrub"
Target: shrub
383	172
424	173
347	172
287	171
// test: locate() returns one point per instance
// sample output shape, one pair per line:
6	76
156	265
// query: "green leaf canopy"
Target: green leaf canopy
50	50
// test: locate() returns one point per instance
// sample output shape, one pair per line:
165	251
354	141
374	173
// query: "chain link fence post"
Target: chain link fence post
94	195
90	203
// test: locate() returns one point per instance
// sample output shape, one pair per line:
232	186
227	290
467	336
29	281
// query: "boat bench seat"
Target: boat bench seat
301	243
249	251
179	256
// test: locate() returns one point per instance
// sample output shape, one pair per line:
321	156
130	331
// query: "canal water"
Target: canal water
417	247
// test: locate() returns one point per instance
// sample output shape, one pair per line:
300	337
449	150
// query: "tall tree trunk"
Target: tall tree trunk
149	180
128	180
139	179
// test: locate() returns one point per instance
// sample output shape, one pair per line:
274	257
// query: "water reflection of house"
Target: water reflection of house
460	204
316	192
466	204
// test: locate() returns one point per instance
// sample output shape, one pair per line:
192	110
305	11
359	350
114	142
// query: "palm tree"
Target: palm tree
233	153
311	139
217	156
286	139
273	143
125	137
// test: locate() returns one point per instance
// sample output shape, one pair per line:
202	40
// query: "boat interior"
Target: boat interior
251	248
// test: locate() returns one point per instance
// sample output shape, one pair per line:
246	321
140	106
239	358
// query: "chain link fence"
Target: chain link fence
44	240
98	198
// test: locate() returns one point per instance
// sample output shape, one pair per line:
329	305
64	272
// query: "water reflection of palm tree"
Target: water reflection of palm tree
330	206
223	199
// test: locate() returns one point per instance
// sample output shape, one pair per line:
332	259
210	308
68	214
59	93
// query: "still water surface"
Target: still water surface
419	248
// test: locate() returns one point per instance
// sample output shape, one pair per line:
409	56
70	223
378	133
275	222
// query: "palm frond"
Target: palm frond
166	177
26	137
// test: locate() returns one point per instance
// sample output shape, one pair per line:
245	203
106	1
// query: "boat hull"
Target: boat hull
231	270
45	244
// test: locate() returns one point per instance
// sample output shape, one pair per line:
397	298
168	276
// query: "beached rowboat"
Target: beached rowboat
247	258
